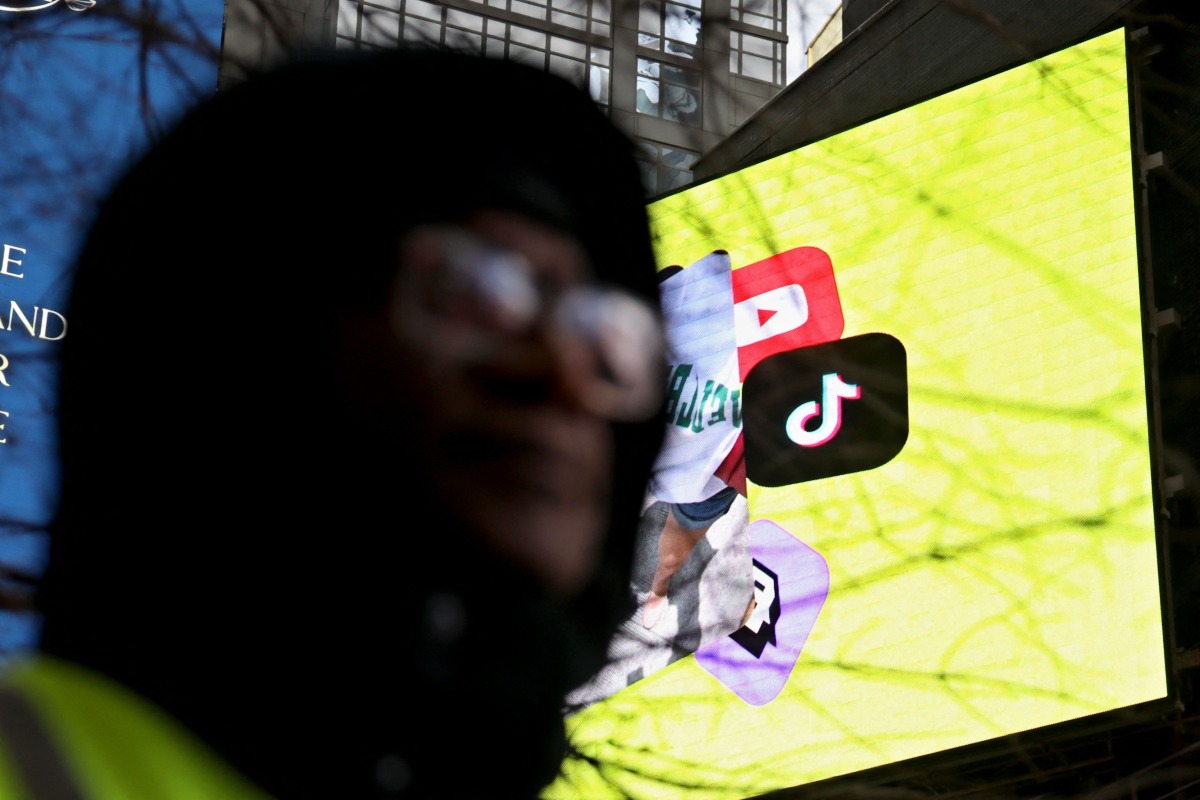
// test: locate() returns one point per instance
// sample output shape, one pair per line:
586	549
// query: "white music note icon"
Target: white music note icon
833	391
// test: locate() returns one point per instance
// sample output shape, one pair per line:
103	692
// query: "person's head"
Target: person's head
523	361
362	331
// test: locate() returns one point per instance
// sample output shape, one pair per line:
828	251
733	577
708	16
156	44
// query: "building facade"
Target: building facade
677	75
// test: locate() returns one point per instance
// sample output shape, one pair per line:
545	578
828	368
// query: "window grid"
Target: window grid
668	91
759	13
670	26
756	57
371	22
384	23
664	168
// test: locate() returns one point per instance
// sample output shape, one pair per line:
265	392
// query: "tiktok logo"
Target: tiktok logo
858	422
833	391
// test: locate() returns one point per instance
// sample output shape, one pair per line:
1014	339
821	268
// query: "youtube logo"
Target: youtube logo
783	302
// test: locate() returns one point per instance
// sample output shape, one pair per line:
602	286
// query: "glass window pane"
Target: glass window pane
758	46
471	42
650	18
755	19
380	27
669	179
649	177
525	55
681	105
529	9
527	37
679	75
663	168
495	48
600	9
419	8
680	159
601	29
568	47
766	8
764	13
568	68
421	30
682	24
648	41
495	27
574	6
684	50
347	20
394	5
762	69
462	19
647	96
598	84
601	56
571	21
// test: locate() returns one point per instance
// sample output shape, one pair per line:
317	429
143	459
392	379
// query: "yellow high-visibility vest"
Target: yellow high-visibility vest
67	732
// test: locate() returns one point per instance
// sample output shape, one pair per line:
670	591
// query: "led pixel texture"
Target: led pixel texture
1000	572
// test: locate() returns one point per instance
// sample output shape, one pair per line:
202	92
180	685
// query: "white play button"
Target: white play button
771	313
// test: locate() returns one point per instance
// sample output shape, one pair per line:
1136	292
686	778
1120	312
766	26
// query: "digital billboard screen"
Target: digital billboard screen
908	371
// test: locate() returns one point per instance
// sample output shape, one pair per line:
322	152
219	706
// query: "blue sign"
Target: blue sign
85	89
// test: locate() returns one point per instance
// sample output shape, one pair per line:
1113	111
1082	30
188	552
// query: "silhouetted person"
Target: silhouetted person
358	408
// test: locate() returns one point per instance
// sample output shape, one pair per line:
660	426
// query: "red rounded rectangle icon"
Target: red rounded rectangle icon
783	302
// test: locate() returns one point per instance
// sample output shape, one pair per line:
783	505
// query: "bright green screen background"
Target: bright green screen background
1000	574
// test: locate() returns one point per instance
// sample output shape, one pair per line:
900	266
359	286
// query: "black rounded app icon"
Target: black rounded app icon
824	410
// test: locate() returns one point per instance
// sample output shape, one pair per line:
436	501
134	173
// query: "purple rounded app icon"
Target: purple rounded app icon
791	581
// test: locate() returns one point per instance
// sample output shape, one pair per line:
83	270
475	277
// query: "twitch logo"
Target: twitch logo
824	410
791	582
759	628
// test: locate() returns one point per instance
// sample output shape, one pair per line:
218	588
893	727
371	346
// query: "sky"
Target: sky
805	18
78	107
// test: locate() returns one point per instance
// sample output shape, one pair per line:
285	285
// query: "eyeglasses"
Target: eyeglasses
467	297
